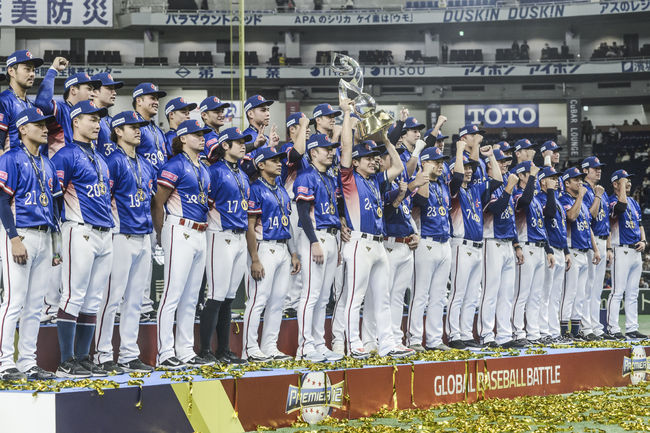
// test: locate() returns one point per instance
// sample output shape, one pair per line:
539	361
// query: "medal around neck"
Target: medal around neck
373	121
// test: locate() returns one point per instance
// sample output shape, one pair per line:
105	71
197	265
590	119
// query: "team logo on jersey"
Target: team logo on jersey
429	247
636	366
272	251
315	396
469	253
228	241
368	248
169	176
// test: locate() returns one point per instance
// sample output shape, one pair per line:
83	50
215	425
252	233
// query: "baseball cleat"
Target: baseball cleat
417	347
400	353
314	356
171	363
94	369
441	347
136	366
331	355
12	374
71	369
197	361
230	358
635	335
258	356
112	367
37	373
359	353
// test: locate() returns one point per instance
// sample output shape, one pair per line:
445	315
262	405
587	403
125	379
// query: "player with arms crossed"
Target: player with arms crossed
132	183
271	262
179	211
28	187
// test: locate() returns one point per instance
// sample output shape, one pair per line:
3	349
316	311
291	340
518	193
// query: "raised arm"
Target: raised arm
346	134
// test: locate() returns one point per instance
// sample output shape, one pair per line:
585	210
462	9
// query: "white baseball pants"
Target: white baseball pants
184	264
294	292
498	291
432	265
316	287
575	282
128	276
465	289
549	322
24	288
626	274
529	290
225	264
340	297
596	276
266	295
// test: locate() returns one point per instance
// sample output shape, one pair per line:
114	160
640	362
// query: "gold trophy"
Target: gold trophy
373	122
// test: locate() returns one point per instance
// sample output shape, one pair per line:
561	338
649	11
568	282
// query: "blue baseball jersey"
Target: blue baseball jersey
321	190
405	157
578	232
229	188
626	228
211	140
247	163
273	206
529	220
362	198
56	106
500	226
480	173
446	173
104	144
555	227
467	212
85	181
434	211
290	170
131	209
19	179
190	186
152	145
169	137
397	220
10	106
599	223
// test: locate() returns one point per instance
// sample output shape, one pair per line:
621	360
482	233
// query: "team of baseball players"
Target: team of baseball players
86	198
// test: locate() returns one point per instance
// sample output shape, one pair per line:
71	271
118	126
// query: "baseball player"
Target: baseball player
258	115
177	111
628	242
28	187
468	198
324	119
597	202
77	88
556	229
500	254
551	153
179	212
87	243
21	67
104	97
524	150
529	217
152	140
226	242
271	262
132	184
580	239
213	116
316	201
472	135
432	258
365	255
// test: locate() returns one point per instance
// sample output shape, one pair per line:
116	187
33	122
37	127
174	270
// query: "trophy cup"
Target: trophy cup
373	121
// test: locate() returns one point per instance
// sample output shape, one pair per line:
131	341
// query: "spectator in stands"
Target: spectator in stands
636	122
523	50
564	50
587	130
504	134
643	284
614	133
318	5
349	4
445	52
515	49
626	123
626	157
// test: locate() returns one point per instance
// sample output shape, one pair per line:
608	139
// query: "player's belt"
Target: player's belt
98	228
276	241
403	240
582	250
602	238
473	244
536	244
199	227
441	239
41	228
235	231
329	230
630	246
370	237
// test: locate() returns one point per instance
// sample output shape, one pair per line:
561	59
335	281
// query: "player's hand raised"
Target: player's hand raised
275	137
486	151
512	180
599	190
534	170
582	191
441	121
461	145
261	138
304	122
60	63
403	114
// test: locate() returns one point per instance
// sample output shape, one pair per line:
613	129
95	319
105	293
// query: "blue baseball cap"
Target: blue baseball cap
522	167
178	104
266	153
148	89
412	123
470	129
504	146
500	156
107	80
432	154
32	115
295	117
212	103
87	107
23	56
365	148
128	118
440	136
191	126
320	140
550	145
547	172
592	162
324	110
232	134
572	172
524	143
620	174
81	78
466	161
391	128
256	101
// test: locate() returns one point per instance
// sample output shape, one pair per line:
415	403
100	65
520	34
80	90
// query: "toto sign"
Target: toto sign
503	115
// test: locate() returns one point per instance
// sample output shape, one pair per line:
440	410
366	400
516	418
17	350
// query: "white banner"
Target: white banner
56	13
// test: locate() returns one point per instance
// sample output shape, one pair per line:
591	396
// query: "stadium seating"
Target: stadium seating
200	58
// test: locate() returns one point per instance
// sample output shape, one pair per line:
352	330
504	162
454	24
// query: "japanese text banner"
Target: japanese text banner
56	13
